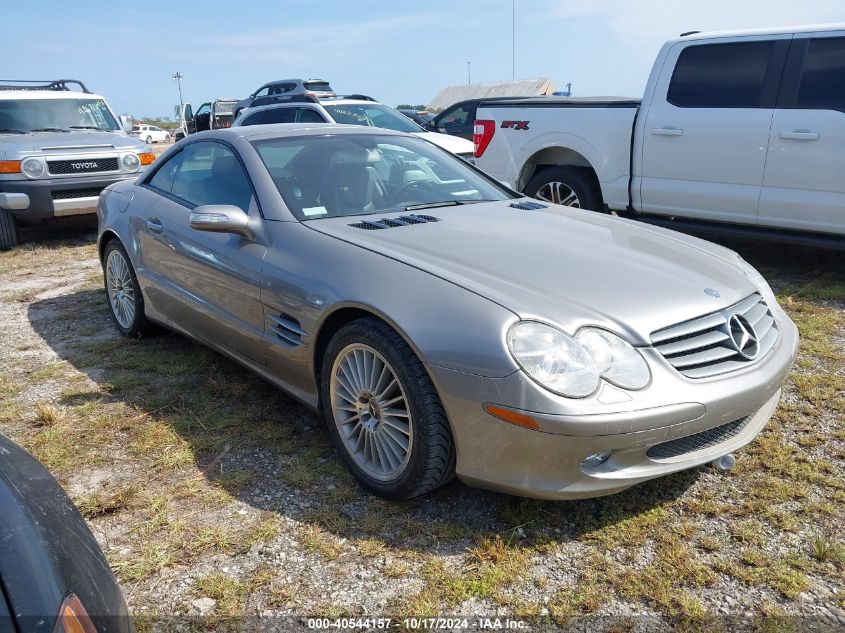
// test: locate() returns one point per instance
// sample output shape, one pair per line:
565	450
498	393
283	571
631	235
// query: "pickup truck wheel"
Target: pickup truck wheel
383	412
568	186
8	230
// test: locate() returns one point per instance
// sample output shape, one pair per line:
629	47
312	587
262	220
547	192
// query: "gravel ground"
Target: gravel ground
215	496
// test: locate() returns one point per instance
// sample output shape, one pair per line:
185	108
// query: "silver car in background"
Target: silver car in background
441	323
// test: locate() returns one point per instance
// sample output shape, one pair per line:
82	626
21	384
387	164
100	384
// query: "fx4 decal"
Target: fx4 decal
516	125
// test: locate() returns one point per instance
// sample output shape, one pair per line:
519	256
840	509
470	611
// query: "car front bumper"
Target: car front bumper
57	197
548	463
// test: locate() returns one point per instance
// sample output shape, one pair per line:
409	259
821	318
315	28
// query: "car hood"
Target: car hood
84	141
563	265
454	144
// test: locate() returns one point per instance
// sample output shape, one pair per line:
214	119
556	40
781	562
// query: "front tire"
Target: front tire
568	186
149	140
126	303
383	412
9	236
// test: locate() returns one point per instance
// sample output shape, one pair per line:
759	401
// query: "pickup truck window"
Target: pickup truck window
721	75
823	76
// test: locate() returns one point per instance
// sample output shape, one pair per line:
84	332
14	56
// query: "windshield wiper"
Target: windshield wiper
48	129
444	203
90	127
9	130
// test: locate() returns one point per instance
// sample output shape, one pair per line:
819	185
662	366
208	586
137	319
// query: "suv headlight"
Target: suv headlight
575	366
758	280
33	167
131	162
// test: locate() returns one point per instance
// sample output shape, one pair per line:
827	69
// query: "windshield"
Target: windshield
342	175
27	115
373	115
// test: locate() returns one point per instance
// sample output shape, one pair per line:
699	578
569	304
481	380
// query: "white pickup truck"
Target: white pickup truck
746	128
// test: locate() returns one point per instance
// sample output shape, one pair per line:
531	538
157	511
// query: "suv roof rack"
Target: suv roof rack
687	33
359	97
43	84
270	99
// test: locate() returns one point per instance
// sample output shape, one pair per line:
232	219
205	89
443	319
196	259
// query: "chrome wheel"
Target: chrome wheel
558	193
371	412
120	288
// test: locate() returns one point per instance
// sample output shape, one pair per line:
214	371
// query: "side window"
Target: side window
822	82
307	115
253	119
721	75
211	174
279	115
454	118
263	92
163	177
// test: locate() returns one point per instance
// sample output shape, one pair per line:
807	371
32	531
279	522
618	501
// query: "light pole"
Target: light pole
469	76
177	77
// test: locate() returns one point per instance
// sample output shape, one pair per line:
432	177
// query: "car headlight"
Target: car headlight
32	167
574	366
131	162
758	280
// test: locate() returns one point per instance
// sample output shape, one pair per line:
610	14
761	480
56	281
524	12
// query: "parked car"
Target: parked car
318	88
211	115
440	322
59	148
420	117
54	576
739	127
150	133
351	110
459	118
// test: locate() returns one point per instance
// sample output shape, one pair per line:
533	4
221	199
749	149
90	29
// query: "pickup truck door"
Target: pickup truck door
705	133
803	187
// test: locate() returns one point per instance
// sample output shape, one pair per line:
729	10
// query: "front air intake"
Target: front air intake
528	206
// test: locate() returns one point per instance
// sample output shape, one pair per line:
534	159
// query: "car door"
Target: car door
707	126
205	283
803	187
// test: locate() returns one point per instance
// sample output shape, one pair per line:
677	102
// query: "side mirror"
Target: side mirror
220	218
13	201
125	123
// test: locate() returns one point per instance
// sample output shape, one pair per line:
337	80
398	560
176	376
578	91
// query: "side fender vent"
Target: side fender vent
287	330
528	206
389	223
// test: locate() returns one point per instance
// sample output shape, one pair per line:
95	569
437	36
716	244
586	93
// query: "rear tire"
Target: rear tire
149	140
569	186
126	303
356	393
9	236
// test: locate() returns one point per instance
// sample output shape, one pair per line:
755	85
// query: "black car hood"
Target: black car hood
47	550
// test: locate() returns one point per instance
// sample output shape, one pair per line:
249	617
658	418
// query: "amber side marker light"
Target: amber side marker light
72	617
147	158
514	417
10	166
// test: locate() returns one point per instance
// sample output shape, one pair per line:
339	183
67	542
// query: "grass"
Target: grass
210	467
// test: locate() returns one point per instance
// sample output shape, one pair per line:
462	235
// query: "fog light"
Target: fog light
595	460
32	167
131	162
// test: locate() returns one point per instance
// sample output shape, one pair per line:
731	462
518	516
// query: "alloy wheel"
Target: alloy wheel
120	288
558	192
371	412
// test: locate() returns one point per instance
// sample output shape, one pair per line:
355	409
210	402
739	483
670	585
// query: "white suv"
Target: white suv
150	133
352	110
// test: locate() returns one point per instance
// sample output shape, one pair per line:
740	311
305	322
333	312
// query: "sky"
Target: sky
395	51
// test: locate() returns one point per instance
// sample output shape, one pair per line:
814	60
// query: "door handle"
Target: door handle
154	225
667	131
800	135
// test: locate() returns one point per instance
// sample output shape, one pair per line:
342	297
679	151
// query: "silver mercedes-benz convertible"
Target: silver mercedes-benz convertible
442	324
